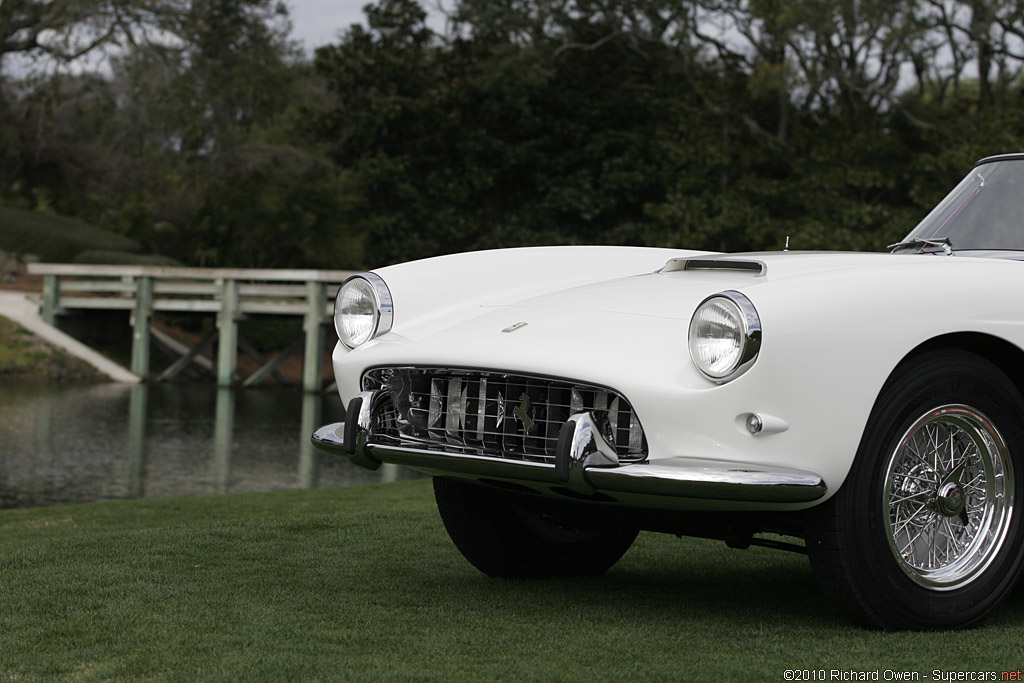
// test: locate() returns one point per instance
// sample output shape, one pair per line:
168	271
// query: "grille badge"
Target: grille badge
501	409
525	413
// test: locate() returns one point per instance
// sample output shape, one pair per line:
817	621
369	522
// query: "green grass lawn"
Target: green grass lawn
362	583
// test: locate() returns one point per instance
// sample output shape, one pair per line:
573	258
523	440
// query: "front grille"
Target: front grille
494	413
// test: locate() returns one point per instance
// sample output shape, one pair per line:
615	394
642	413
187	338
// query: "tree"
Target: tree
136	149
269	206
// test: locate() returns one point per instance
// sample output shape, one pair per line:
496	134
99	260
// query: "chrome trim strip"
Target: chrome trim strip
1015	156
385	305
758	268
721	481
677	478
464	464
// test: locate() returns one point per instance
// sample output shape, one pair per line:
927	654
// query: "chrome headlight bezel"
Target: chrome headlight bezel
376	299
746	325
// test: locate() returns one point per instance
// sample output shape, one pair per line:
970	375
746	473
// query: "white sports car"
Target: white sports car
868	403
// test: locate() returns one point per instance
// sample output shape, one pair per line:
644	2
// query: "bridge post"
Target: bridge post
312	362
227	325
51	294
140	325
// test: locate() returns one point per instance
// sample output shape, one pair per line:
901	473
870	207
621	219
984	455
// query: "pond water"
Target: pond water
69	444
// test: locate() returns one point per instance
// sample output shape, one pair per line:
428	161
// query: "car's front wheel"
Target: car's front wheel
925	532
503	537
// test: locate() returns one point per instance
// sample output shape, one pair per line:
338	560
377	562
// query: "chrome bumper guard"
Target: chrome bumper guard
585	464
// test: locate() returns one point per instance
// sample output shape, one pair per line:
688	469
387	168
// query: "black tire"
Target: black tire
503	538
925	531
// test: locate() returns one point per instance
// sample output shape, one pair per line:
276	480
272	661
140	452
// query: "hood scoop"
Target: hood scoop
756	268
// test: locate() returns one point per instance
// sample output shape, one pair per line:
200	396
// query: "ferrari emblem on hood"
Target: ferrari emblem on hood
513	327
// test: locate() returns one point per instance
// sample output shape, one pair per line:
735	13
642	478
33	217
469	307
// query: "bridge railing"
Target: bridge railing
229	293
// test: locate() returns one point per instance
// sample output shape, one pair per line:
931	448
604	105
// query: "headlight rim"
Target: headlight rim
384	313
751	335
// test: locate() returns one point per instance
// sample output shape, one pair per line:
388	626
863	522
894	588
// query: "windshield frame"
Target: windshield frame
959	207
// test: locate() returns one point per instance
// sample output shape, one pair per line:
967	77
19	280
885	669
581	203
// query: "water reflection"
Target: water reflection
223	438
61	444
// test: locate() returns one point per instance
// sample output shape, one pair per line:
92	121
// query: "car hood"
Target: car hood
656	307
678	288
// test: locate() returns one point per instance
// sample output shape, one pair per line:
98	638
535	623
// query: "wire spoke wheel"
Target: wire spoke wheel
947	497
924	532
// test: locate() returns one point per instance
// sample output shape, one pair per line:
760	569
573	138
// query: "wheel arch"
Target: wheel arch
1005	355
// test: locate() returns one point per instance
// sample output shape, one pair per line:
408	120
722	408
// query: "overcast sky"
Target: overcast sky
318	22
314	23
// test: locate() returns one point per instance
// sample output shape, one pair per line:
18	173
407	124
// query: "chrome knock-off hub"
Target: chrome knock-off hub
950	500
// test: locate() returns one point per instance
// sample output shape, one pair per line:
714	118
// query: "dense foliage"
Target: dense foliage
718	124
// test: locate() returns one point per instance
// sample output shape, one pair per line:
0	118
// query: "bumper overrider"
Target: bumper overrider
586	466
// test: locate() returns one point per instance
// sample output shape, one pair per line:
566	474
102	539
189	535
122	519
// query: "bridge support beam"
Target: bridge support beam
51	294
140	326
227	326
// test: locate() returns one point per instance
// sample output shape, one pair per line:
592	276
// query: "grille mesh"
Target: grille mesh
495	413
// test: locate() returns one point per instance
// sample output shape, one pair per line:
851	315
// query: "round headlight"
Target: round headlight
725	336
362	310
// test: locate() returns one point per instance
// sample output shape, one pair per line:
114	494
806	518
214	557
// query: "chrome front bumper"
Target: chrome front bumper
586	467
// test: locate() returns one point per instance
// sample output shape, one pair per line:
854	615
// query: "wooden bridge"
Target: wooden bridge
228	293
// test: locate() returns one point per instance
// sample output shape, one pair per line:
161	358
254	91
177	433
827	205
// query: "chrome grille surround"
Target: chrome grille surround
494	413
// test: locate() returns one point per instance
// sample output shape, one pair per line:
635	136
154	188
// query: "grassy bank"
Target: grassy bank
363	584
61	239
23	356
